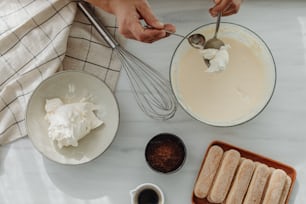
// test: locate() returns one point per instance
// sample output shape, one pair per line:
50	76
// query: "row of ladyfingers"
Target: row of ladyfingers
226	177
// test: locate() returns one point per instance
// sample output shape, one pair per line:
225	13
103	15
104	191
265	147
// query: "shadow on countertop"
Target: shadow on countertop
4	149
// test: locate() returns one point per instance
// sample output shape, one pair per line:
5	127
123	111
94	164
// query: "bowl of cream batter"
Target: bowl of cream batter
234	95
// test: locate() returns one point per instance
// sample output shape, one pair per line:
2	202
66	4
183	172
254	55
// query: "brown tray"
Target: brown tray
253	156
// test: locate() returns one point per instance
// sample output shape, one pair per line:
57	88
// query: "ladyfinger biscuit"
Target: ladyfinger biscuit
208	171
257	184
275	187
285	190
241	182
224	177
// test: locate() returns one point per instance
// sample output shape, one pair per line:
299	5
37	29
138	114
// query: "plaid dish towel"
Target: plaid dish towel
39	38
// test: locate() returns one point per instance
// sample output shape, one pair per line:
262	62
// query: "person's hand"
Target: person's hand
129	15
227	7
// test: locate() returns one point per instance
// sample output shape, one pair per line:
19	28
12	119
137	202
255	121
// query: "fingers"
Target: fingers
227	7
169	28
131	27
147	35
150	35
230	11
146	13
129	13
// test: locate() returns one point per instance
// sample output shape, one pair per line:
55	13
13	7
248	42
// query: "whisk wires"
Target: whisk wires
152	91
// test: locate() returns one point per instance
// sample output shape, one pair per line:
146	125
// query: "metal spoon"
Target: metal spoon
197	40
215	42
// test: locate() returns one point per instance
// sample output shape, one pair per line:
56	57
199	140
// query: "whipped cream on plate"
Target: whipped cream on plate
218	58
70	122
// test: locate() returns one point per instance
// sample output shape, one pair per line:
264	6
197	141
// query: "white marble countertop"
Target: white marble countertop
279	132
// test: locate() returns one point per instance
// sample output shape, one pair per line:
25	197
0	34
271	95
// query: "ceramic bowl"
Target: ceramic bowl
165	153
230	97
147	193
84	85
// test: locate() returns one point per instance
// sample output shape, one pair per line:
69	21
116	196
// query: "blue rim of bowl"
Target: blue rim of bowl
36	89
240	123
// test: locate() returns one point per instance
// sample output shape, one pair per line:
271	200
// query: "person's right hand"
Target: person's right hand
227	7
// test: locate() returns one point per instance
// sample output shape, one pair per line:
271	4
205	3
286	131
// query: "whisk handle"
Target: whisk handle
102	30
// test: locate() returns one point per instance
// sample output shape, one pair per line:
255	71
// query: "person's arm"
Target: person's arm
129	14
227	7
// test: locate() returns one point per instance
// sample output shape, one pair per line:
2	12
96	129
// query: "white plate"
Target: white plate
92	145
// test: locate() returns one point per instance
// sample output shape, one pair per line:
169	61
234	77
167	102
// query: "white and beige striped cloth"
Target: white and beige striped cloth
39	38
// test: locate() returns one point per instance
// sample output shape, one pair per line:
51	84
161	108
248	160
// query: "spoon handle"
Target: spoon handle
167	31
218	24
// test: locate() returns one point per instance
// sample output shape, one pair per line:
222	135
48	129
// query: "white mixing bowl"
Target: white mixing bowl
233	96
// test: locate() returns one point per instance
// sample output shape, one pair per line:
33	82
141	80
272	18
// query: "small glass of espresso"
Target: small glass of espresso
147	193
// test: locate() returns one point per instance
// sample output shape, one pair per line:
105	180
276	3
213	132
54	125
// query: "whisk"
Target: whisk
152	91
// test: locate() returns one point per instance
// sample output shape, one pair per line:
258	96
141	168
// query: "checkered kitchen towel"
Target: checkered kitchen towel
39	38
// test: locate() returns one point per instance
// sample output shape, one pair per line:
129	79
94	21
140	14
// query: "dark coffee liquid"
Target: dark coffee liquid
148	196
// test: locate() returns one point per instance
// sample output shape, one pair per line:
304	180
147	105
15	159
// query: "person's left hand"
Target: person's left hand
129	15
226	7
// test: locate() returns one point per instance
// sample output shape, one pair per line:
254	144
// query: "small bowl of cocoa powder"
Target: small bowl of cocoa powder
165	153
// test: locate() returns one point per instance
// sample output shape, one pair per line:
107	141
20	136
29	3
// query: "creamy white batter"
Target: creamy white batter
218	58
226	96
